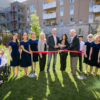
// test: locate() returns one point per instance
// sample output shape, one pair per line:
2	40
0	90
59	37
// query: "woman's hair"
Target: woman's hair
33	33
65	37
97	36
23	34
42	33
16	39
90	35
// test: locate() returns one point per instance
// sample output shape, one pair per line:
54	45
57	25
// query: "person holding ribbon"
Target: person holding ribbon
52	42
74	46
64	45
26	53
42	46
34	47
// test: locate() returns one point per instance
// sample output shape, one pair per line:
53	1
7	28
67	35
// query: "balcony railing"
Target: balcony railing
96	8
49	5
49	16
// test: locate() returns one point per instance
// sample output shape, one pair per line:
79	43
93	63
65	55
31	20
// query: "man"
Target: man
81	49
52	42
74	46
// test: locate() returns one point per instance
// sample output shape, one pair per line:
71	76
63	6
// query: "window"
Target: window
61	22
72	10
61	2
28	10
91	6
71	1
71	20
28	18
61	11
32	8
91	17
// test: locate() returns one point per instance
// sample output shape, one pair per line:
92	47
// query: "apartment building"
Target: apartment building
13	18
96	10
61	12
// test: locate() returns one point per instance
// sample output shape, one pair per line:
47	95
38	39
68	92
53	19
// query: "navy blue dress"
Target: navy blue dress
14	54
94	56
25	57
88	46
34	47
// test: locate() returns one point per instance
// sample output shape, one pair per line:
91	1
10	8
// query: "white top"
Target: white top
4	60
82	46
55	40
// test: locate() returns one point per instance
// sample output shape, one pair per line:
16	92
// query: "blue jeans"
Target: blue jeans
49	60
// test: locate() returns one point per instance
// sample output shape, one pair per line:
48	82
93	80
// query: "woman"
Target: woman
94	52
14	54
34	47
42	47
63	56
26	54
87	51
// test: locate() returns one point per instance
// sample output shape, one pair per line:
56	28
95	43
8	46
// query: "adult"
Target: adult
74	46
52	42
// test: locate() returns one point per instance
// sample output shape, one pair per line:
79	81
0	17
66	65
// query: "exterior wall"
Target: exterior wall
81	12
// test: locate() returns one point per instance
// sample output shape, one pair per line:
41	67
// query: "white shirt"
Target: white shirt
82	46
4	60
55	40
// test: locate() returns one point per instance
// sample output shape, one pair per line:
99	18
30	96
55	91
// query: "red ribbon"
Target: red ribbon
46	52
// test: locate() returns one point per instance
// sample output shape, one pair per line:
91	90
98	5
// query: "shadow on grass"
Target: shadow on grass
44	87
24	88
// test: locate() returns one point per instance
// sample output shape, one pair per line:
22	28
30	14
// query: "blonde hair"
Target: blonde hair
90	35
97	36
42	33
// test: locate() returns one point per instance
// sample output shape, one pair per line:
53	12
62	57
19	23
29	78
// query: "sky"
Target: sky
20	0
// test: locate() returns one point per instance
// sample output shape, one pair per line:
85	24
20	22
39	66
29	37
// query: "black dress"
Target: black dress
25	57
94	56
88	46
63	56
14	54
34	47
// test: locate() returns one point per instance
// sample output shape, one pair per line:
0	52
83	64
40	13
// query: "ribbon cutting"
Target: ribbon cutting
46	52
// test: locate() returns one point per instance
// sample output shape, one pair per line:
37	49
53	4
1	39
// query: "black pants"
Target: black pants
42	62
80	62
63	58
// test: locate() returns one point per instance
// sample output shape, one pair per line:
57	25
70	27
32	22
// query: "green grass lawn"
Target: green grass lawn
51	86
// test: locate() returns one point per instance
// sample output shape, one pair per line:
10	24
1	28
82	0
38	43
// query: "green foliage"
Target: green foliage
6	37
35	25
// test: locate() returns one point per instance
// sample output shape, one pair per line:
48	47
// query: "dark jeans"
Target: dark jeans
42	62
49	60
80	62
63	57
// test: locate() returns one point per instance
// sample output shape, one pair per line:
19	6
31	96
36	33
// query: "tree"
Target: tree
35	25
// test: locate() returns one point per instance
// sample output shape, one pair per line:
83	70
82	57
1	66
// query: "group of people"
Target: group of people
21	52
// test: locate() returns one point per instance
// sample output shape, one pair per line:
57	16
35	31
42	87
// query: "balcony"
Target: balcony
49	5
49	16
2	21
96	9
